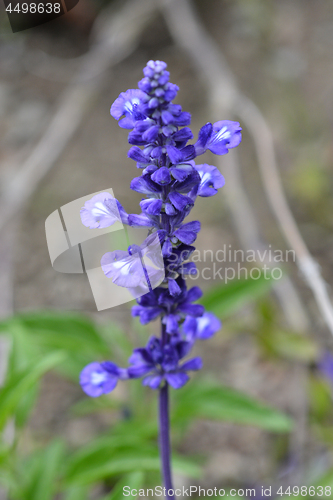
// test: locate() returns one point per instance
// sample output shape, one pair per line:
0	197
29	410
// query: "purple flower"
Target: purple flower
173	304
145	185
152	206
201	328
185	306
124	269
100	378
211	180
162	363
103	210
181	171
161	176
127	105
325	365
142	220
129	270
180	202
187	233
218	138
148	307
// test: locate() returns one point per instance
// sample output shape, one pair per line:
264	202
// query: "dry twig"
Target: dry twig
225	97
117	39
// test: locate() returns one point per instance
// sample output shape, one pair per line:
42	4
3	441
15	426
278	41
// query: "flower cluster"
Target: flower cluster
170	182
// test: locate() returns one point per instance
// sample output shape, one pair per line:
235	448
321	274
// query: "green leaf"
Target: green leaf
130	434
185	466
26	405
226	299
134	481
128	461
49	331
54	330
320	399
19	383
22	351
289	345
212	401
7	480
131	447
99	451
76	493
118	463
43	480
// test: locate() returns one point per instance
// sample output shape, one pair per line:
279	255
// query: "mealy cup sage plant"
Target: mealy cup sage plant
170	182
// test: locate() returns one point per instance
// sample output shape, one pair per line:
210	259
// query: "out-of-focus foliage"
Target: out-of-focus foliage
226	299
128	453
278	343
207	399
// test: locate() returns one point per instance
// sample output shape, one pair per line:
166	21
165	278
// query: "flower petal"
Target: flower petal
177	380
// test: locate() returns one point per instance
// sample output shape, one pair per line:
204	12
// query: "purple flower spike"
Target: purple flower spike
99	378
170	183
103	210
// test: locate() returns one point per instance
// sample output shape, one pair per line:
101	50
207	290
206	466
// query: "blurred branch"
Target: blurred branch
225	97
263	140
225	94
249	235
116	41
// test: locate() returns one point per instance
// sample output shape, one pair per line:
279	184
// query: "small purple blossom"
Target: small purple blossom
124	269
325	366
173	305
157	363
129	268
211	180
127	107
218	138
201	328
187	233
100	378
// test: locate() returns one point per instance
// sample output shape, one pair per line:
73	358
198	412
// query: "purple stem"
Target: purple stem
165	431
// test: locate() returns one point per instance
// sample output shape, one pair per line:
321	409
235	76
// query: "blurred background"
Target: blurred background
58	142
